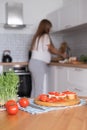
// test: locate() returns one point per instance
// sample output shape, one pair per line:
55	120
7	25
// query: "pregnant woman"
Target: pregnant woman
41	49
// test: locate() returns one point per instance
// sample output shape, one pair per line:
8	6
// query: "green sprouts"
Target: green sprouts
8	86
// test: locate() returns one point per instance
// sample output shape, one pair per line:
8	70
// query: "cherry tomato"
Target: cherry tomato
10	102
52	99
69	92
43	97
61	100
12	109
24	102
54	93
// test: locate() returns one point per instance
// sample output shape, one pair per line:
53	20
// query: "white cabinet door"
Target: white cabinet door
77	80
67	78
65	17
57	78
53	17
51	78
82	11
68	16
61	84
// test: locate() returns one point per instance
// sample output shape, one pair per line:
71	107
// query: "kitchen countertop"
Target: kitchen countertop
13	63
67	119
80	65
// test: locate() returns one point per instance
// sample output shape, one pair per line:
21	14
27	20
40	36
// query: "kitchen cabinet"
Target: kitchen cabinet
82	11
53	17
67	78
57	78
70	15
65	17
61	83
77	80
51	78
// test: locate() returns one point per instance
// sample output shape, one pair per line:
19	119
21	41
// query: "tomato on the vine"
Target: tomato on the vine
24	102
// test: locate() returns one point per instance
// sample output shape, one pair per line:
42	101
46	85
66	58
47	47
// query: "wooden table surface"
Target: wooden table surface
68	119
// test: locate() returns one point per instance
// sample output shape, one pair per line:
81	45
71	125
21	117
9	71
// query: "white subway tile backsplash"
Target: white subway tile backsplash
77	41
17	43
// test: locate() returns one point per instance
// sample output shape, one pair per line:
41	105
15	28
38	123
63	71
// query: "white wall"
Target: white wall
77	41
38	9
34	10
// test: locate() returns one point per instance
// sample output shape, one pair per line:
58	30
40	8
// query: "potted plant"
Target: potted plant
8	86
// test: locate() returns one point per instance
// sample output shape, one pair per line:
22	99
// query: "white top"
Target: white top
40	51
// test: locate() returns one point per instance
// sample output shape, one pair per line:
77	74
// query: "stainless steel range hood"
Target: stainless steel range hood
14	16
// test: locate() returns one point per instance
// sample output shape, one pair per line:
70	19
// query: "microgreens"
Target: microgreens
8	86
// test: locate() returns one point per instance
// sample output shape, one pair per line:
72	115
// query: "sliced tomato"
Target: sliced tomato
54	93
69	92
43	97
60	100
52	99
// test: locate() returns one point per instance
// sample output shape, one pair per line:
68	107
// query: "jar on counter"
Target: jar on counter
65	49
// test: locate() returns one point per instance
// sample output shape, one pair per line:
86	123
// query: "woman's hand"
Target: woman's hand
55	51
64	55
52	49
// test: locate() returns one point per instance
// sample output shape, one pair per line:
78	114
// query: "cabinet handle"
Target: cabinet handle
59	67
78	69
68	26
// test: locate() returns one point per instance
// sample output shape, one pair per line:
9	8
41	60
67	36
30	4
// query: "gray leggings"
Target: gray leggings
38	70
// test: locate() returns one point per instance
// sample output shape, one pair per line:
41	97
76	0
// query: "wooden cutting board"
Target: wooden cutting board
67	102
